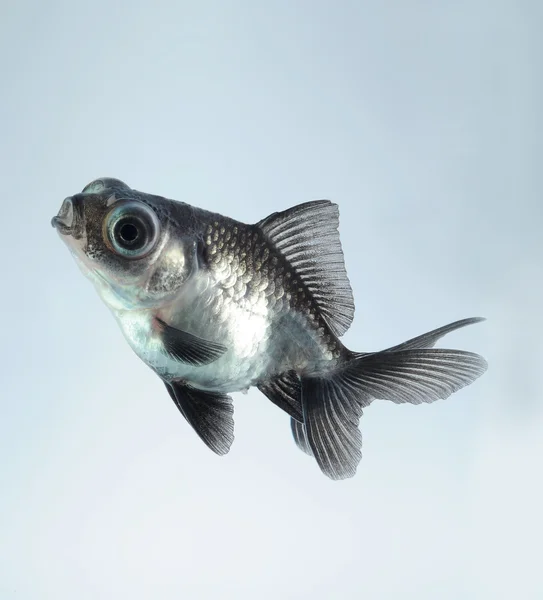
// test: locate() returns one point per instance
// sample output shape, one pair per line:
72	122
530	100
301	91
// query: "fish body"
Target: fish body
244	298
215	306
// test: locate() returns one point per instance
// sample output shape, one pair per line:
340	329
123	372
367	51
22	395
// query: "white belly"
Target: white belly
211	313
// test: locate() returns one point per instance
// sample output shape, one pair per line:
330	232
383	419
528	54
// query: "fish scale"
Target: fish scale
265	276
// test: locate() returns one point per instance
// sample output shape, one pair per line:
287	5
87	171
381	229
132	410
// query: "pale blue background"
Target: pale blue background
423	121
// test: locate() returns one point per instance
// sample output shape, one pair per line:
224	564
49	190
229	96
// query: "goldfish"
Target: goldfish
215	306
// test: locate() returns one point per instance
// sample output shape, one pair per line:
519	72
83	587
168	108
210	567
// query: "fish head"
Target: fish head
127	243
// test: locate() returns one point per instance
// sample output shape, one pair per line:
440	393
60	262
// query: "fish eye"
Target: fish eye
131	229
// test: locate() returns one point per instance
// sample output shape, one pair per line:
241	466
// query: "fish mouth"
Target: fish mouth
68	220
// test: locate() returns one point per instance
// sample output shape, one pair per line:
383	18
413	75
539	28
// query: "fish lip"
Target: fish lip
59	224
69	218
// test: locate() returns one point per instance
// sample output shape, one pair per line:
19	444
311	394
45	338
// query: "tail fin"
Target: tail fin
411	372
428	340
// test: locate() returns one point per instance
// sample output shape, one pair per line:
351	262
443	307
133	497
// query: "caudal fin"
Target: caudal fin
428	340
412	372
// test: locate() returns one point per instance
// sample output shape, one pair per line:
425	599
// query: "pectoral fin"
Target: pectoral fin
209	413
186	347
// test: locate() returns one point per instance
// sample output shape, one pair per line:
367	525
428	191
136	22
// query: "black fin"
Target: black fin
332	405
285	391
209	413
428	340
331	414
414	376
300	436
307	236
186	347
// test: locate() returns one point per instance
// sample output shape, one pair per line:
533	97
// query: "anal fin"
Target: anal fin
285	391
209	413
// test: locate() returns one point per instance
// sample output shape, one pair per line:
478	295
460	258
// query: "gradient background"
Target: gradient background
423	121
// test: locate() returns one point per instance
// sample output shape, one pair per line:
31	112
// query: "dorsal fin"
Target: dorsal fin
307	236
